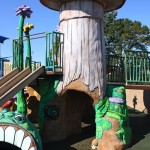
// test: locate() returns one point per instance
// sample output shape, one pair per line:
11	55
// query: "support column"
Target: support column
84	52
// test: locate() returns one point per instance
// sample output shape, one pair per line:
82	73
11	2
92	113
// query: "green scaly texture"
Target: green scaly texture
48	93
21	102
9	118
28	57
101	124
120	112
115	110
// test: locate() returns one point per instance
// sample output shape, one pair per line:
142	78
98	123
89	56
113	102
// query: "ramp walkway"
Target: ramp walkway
15	81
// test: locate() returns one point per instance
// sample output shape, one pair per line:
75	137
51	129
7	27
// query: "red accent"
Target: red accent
8	104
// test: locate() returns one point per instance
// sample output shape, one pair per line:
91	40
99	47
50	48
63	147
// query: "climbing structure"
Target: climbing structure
84	51
16	131
84	62
112	123
75	75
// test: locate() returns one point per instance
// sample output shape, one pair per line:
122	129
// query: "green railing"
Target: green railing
54	49
137	67
34	65
133	68
115	68
15	47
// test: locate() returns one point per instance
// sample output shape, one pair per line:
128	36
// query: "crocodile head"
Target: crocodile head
17	132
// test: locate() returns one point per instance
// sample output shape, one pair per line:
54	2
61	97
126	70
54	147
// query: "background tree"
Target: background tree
124	34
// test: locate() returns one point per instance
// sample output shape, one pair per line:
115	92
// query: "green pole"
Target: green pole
28	44
21	104
21	23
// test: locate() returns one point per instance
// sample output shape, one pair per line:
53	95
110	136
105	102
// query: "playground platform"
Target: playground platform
139	122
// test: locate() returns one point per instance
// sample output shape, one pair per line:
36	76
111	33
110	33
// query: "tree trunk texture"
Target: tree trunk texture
84	51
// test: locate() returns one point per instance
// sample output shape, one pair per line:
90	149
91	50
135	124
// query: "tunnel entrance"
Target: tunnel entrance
79	113
8	146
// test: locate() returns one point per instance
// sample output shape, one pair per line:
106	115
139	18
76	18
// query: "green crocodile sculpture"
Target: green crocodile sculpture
17	130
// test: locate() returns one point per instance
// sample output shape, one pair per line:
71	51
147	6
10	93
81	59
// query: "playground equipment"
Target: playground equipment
16	130
84	60
74	73
137	67
112	122
18	133
16	122
133	68
81	23
15	81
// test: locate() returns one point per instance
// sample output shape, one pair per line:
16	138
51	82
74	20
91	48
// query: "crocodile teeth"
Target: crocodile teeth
17	136
26	143
1	134
9	135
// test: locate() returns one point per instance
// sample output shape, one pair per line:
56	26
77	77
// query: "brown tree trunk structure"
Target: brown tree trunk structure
84	66
81	21
84	52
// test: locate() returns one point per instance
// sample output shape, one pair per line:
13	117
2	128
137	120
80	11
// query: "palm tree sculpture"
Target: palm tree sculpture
24	11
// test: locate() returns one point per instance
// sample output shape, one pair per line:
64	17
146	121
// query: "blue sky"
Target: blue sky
46	20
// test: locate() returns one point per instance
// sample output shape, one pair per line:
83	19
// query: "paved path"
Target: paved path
141	131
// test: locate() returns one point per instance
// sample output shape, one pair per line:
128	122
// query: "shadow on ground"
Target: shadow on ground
76	142
140	124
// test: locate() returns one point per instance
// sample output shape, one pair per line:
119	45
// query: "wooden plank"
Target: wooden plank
7	68
53	73
116	83
8	85
138	87
20	85
129	86
9	76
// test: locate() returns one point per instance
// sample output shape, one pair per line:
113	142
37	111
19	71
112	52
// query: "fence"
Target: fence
16	56
133	68
1	68
5	67
137	67
115	68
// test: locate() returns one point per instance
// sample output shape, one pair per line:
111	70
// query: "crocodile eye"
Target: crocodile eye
19	117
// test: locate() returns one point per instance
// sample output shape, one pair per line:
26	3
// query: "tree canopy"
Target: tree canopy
124	34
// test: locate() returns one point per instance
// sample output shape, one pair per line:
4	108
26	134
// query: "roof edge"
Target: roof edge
110	5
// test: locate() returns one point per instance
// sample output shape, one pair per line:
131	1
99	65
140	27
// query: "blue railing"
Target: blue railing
54	49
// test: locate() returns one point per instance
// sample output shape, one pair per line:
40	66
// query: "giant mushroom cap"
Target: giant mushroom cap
109	5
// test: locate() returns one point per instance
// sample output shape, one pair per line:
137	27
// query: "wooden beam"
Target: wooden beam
53	73
138	87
